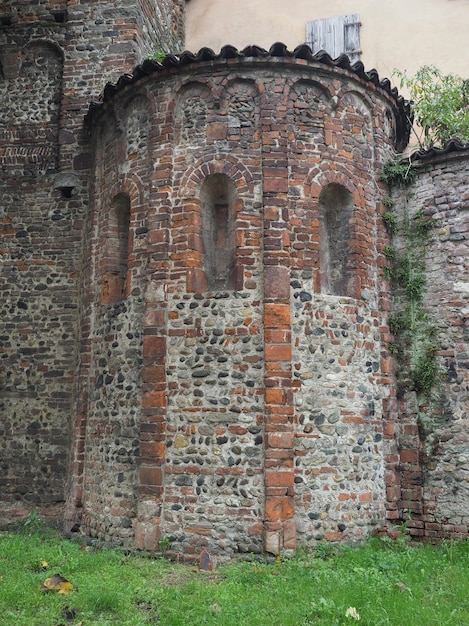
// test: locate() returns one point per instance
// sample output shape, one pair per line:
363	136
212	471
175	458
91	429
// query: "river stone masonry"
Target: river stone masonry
195	351
55	56
248	221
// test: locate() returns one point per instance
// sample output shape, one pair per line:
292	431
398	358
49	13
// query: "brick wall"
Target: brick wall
54	57
432	434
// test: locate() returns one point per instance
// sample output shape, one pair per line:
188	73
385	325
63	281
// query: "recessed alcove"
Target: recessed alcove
335	209
115	260
217	197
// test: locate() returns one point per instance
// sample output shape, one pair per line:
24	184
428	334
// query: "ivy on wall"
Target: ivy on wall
415	334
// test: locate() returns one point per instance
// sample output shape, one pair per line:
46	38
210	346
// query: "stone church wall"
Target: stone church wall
254	260
54	57
195	338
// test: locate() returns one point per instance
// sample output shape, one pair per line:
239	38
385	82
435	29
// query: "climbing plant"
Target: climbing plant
439	104
415	346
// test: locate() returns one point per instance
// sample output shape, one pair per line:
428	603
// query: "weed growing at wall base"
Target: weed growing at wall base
32	524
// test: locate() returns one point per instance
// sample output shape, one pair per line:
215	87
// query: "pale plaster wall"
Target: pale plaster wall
402	34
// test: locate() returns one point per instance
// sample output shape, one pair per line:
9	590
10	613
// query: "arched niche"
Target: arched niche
390	125
115	258
137	127
192	108
108	153
335	211
40	77
217	197
357	119
241	103
309	104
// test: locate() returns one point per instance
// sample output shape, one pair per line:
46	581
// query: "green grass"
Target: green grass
388	583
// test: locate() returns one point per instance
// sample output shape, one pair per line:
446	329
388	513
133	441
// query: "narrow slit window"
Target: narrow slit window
217	196
117	251
336	206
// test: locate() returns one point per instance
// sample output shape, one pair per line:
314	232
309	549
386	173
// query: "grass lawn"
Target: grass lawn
385	582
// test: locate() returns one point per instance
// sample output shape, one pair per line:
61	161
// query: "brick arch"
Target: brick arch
109	152
318	179
241	181
132	186
336	205
218	201
302	82
115	255
227	164
116	282
362	100
143	97
240	81
314	86
357	253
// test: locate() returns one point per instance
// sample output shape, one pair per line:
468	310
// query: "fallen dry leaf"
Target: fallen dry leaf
57	583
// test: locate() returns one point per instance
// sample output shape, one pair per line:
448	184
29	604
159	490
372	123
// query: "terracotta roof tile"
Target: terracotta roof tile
452	146
277	50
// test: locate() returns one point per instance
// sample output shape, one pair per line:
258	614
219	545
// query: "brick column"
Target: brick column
280	530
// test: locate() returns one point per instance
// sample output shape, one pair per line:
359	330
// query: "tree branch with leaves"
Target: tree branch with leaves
439	103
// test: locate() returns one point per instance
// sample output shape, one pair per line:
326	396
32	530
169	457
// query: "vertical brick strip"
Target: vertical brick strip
280	532
153	415
153	424
146	24
392	477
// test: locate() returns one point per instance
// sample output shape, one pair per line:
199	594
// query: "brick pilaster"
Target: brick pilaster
280	530
154	384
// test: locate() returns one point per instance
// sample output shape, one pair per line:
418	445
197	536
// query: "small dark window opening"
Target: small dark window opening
218	195
66	192
5	20
336	206
115	262
60	16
